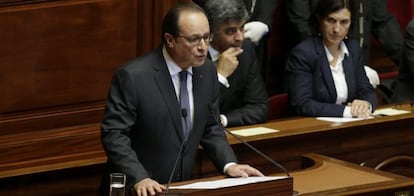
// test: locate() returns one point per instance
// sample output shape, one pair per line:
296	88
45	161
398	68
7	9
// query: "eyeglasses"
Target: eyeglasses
195	40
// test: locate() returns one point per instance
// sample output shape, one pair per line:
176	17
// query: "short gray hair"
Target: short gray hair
222	11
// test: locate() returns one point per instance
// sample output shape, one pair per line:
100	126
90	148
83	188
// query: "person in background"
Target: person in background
243	97
257	27
260	18
326	76
145	126
404	85
369	18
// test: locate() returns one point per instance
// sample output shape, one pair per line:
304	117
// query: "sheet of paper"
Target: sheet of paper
227	182
341	119
254	131
389	112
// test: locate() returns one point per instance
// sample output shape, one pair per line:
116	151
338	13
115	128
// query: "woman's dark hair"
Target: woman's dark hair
323	9
170	22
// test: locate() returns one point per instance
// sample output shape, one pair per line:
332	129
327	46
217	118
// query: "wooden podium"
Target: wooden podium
320	175
280	187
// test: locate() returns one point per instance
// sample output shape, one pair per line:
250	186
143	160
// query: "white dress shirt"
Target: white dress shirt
174	70
338	76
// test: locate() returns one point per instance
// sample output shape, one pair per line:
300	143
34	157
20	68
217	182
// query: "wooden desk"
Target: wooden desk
70	161
283	187
328	176
325	176
367	142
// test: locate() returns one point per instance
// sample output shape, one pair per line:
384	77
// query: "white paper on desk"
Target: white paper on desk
254	131
390	112
341	119
227	182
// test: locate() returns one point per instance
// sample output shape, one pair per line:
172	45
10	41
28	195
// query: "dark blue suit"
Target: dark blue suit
310	84
141	126
370	15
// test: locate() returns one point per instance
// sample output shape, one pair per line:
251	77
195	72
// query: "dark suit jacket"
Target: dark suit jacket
404	85
141	127
310	84
377	21
245	101
263	10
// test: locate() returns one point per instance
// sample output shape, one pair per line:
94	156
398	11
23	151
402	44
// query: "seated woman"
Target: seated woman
326	75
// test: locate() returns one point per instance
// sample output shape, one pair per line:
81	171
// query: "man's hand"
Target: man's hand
228	62
239	170
148	186
360	108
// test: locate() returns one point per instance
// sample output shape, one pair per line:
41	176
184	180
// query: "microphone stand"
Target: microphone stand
184	115
247	144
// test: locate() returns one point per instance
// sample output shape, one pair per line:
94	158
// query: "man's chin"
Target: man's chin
199	64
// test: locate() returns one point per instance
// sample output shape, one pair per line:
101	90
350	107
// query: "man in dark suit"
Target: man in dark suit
259	18
257	27
142	128
404	85
243	96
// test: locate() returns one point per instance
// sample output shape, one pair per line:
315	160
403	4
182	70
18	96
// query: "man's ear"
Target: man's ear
169	39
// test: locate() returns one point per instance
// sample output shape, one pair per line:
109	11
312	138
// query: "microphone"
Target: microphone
210	108
184	115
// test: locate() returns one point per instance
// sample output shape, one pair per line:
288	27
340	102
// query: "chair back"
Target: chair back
278	105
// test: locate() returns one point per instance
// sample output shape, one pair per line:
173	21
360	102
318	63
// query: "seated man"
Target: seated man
243	96
258	27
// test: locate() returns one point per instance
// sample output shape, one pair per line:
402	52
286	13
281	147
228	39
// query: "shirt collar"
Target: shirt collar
173	68
342	49
213	53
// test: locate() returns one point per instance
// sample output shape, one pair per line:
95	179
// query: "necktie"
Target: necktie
185	104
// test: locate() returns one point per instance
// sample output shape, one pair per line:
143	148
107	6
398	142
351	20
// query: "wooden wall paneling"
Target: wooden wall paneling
161	10
56	63
49	150
151	14
19	2
144	26
58	57
80	181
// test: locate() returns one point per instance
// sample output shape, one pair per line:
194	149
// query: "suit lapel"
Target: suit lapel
326	71
197	96
164	82
349	76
